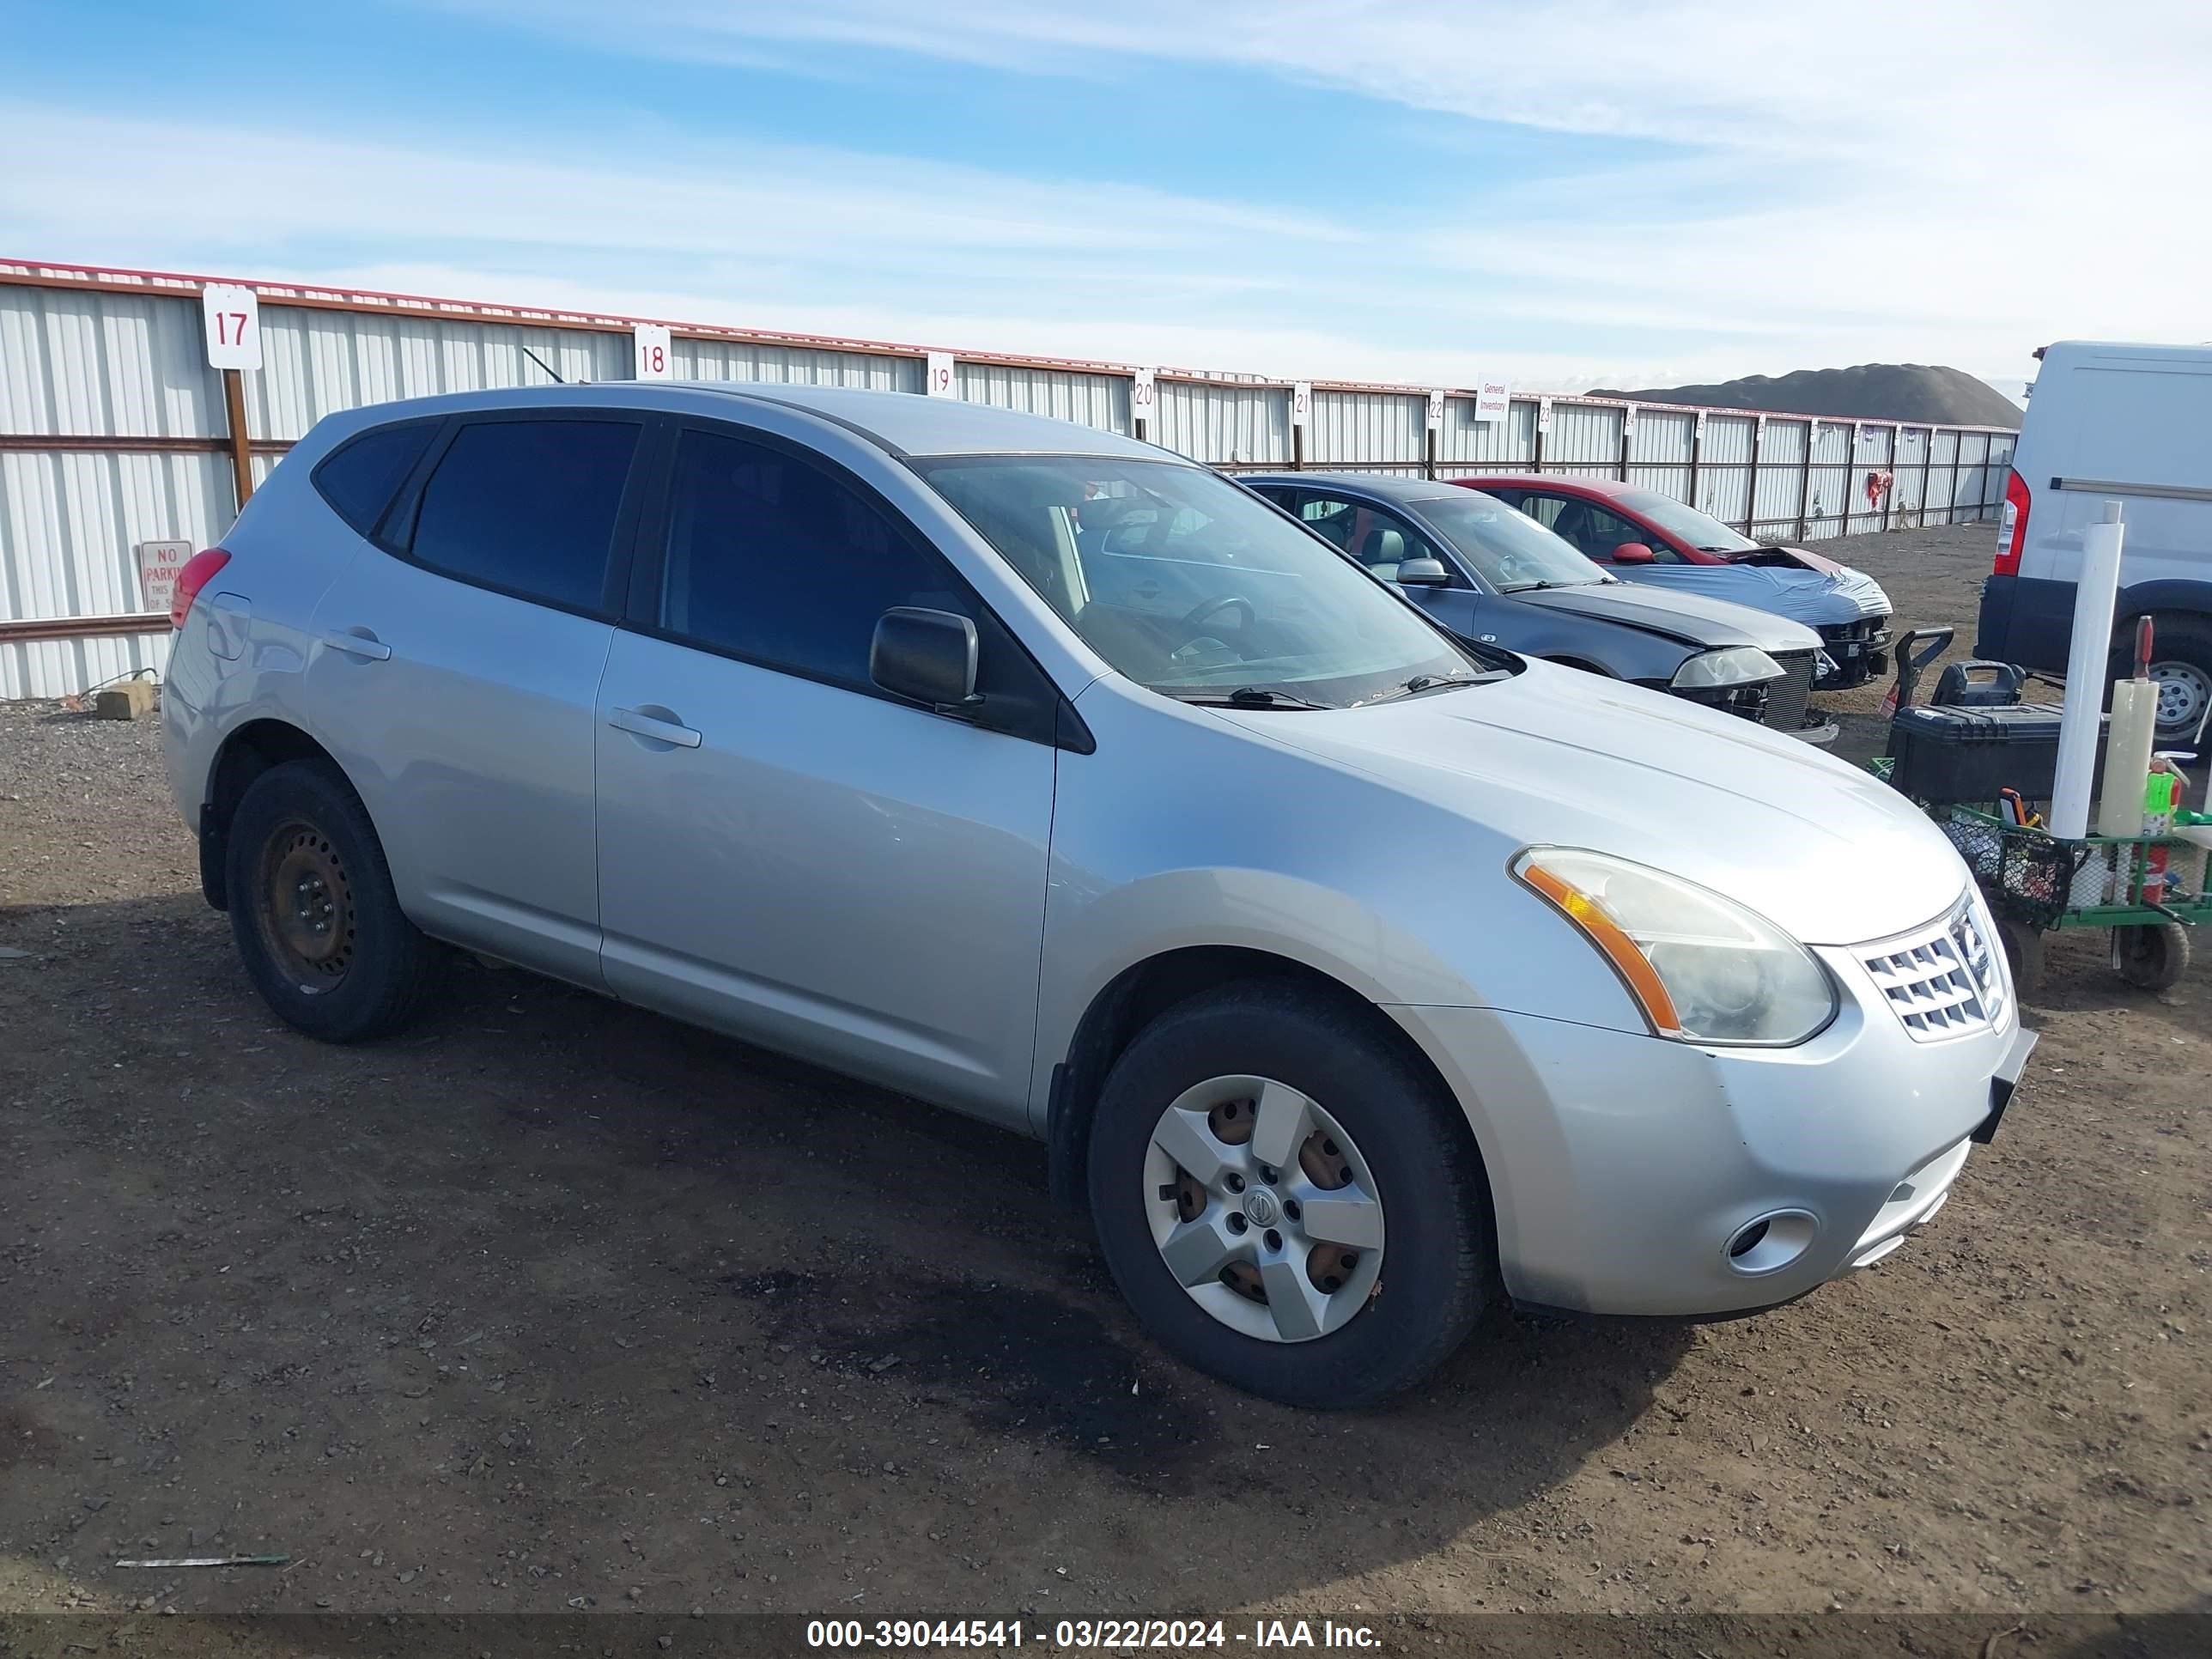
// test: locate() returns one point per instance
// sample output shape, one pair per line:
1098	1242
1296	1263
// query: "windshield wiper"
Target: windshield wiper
1421	682
1250	696
1538	587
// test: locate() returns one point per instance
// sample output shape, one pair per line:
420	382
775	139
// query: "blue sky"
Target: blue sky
1570	194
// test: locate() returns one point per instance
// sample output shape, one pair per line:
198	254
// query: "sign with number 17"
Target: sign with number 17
233	325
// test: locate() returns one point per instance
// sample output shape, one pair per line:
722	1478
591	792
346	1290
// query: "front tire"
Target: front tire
313	912
1332	1244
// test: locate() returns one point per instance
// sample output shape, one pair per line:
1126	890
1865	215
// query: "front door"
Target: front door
785	851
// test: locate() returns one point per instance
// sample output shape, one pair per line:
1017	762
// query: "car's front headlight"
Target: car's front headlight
1733	665
1702	967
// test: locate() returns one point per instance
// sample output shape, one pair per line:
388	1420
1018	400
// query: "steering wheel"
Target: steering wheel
1204	611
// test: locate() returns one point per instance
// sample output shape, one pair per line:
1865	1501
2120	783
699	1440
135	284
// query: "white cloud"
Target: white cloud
1955	182
1996	172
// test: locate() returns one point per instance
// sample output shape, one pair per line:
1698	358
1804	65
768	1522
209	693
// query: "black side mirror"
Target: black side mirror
1422	573
926	655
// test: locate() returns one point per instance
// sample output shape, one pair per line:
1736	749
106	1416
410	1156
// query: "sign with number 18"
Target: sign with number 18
655	351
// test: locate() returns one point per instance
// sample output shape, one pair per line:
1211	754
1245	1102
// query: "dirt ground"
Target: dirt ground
552	1305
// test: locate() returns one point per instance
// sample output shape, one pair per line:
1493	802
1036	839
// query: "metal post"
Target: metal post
1697	453
1751	492
1297	447
1927	472
1430	465
1627	433
1536	457
241	455
1805	480
1889	470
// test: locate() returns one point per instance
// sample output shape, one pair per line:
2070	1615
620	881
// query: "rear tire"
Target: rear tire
312	909
2181	664
1437	1265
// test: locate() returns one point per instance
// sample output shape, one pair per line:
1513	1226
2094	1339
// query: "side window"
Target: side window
528	507
1544	510
1607	531
358	478
1332	521
1384	541
778	561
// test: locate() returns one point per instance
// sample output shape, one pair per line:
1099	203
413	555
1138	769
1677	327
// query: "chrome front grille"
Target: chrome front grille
1943	980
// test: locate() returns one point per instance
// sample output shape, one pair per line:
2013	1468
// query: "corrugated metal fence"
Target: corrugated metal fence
114	431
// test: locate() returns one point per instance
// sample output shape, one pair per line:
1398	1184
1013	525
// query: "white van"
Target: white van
2129	423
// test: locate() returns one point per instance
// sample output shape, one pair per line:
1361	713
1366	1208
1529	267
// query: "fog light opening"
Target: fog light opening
1770	1242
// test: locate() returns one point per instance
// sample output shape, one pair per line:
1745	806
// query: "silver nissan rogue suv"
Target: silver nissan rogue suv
1355	979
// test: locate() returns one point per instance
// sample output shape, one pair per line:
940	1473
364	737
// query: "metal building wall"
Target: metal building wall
1584	440
1382	431
1723	482
1224	423
1779	495
1093	400
114	431
1468	445
1659	451
747	360
316	362
120	366
1908	495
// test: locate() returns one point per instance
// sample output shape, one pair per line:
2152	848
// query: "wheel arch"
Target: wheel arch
1144	991
256	747
1568	659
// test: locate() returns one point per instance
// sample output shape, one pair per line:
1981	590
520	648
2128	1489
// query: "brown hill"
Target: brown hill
1872	392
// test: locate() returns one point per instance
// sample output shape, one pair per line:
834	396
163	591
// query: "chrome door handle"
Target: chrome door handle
365	646
639	724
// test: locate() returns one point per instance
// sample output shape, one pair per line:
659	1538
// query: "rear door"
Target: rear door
453	671
786	851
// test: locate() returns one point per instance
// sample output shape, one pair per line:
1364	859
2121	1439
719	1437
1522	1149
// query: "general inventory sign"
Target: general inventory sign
1493	400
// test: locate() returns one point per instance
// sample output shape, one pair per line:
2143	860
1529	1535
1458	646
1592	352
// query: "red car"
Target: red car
1644	535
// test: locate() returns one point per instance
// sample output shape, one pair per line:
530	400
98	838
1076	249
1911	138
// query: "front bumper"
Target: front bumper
1859	651
1626	1169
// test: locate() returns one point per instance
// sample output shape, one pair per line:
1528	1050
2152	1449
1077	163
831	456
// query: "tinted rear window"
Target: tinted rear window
528	507
359	478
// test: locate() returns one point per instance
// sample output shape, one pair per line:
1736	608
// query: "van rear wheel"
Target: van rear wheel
313	912
2181	669
1288	1202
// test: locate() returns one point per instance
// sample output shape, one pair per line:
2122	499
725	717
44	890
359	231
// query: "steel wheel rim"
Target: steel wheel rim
2183	692
303	907
1263	1210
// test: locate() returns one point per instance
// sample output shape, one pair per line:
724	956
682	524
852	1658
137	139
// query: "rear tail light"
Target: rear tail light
197	572
2012	527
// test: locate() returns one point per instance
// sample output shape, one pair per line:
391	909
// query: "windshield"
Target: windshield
1684	523
1192	586
1508	549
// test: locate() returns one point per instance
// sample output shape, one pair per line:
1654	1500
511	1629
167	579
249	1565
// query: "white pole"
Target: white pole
2085	674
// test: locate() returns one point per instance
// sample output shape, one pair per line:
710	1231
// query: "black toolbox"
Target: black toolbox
1945	754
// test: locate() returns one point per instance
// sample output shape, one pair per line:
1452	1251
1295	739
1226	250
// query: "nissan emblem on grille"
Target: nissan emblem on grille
1941	981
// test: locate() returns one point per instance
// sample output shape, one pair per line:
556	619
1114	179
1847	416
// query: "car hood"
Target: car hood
1803	557
1553	755
1817	598
1692	618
